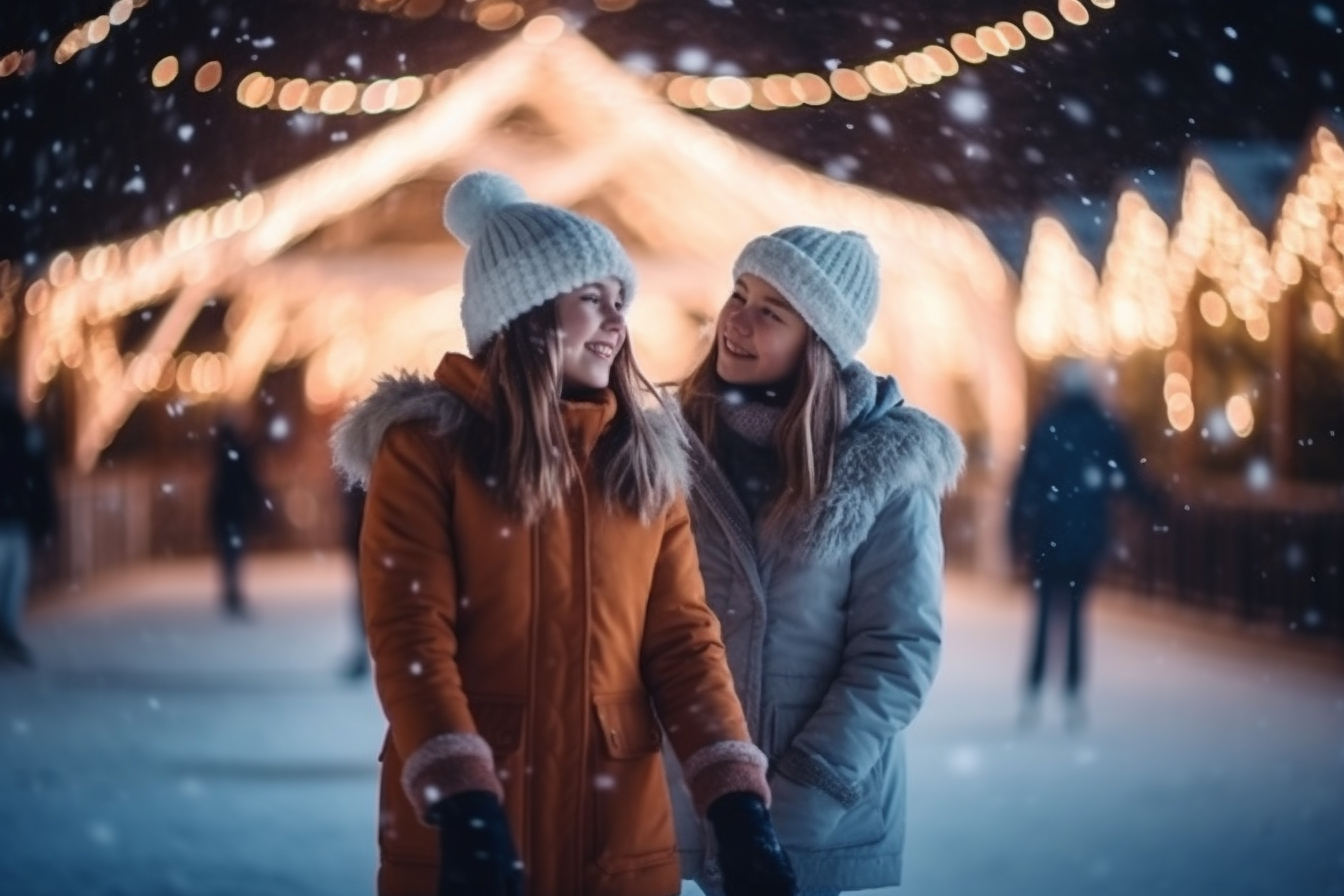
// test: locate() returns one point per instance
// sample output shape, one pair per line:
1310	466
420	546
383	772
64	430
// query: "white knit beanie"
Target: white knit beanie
522	254
829	277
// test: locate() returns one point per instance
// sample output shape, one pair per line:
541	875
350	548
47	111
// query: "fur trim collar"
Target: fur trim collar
405	397
903	449
396	398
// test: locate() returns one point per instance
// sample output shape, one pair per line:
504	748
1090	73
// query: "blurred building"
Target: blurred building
284	304
1213	297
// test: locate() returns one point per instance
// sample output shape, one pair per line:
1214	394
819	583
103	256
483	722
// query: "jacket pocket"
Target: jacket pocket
806	816
632	813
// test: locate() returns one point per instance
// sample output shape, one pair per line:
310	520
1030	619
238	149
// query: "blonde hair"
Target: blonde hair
522	451
805	439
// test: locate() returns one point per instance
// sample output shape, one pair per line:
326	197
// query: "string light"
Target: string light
884	77
96	30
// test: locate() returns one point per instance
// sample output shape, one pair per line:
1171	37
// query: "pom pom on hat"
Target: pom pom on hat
474	199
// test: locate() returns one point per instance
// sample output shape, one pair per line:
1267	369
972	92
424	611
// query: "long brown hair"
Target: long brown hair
522	451
807	433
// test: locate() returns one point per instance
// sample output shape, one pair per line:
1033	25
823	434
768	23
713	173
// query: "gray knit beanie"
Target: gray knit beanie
522	254
828	276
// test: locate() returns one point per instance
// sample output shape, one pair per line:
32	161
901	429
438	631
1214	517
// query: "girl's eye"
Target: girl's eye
737	297
592	297
773	316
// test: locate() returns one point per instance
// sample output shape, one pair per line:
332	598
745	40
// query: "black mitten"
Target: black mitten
476	852
752	861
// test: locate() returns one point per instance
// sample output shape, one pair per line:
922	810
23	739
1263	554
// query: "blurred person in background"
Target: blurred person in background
1078	460
531	593
27	518
236	502
815	507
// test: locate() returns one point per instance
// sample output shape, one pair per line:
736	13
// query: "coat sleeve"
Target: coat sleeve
893	638
408	581
685	668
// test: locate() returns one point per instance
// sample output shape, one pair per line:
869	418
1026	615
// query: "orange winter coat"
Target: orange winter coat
537	661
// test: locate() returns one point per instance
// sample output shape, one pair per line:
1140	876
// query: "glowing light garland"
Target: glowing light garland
884	77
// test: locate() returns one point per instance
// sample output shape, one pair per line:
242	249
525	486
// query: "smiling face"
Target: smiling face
591	324
760	337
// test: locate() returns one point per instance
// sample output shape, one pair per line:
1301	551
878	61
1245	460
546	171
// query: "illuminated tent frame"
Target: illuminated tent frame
305	282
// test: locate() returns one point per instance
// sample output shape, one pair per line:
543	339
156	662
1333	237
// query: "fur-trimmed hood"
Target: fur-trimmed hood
404	397
887	448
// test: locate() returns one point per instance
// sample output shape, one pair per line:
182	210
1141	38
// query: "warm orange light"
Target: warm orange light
850	84
1038	26
165	71
991	41
814	89
1175	384
759	100
1323	317
1073	12
120	12
1012	35
97	31
338	98
886	77
1240	415
544	29
292	95
1213	308
679	91
375	97
208	76
968	48
499	16
1258	326
920	69
406	92
728	92
1180	412
256	90
943	60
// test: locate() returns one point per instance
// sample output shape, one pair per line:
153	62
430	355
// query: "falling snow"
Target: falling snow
968	105
1077	110
1222	73
692	60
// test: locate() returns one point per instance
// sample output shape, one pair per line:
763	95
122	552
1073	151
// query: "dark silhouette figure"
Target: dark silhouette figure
27	519
236	500
1078	460
353	499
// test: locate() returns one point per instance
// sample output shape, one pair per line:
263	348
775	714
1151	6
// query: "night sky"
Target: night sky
90	151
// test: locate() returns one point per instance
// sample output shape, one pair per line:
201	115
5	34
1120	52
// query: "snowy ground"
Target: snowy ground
160	749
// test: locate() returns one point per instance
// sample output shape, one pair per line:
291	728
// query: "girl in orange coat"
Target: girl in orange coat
534	605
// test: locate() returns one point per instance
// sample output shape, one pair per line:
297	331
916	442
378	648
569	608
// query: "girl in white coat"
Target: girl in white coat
815	507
